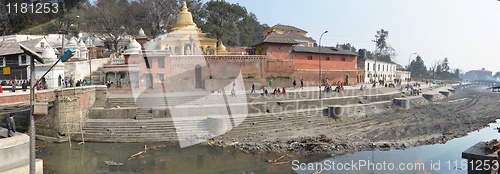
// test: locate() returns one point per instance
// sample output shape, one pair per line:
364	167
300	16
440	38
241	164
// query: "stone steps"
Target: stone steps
126	131
144	114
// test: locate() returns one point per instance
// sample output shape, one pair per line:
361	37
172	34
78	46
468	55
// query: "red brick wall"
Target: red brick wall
279	51
280	68
20	97
311	77
335	62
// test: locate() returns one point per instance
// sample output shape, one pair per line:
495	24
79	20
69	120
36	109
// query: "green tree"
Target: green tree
445	65
11	23
230	23
383	51
418	68
349	47
456	73
439	71
497	75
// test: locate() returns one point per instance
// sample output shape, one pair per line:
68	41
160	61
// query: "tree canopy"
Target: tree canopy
418	68
349	47
383	51
231	23
497	75
11	23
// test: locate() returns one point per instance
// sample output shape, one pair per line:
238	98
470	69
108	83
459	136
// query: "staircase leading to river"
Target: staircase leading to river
145	127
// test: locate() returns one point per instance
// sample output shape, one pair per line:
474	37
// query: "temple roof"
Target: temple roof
274	37
298	37
287	27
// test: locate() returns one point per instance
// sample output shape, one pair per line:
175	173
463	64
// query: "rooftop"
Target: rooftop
287	27
13	48
274	37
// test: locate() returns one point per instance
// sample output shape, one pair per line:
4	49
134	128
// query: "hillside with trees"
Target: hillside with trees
113	19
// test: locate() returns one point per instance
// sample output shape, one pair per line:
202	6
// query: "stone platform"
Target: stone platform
14	154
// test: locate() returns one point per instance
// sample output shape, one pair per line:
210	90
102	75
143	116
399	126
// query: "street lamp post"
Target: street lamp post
409	58
31	129
320	63
408	68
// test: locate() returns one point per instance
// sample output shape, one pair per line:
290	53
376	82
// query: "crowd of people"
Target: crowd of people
69	83
14	85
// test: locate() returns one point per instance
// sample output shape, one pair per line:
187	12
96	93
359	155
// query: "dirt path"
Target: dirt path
468	110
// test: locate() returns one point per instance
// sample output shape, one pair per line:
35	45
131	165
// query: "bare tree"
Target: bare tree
110	21
162	14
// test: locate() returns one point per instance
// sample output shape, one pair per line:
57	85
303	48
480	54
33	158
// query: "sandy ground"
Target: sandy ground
466	111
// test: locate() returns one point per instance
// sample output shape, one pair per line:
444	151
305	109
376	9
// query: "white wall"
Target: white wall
386	72
81	69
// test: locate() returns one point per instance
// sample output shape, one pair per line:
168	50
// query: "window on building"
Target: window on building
328	58
343	59
23	59
2	62
309	57
161	62
161	76
378	67
373	67
368	67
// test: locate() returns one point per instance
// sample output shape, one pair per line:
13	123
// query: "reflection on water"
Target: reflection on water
439	158
91	157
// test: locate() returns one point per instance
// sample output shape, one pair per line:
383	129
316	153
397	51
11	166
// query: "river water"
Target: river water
169	158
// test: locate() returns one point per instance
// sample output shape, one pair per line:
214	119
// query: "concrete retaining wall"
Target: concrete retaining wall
14	154
402	102
357	110
321	103
112	113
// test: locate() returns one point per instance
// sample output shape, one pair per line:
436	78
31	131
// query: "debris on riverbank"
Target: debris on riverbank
397	129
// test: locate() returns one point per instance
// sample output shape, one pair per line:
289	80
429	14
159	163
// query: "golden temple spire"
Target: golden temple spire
184	18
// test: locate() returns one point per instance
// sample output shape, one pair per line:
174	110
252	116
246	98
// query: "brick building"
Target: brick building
293	58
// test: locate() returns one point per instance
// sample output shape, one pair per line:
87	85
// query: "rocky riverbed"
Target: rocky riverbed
466	111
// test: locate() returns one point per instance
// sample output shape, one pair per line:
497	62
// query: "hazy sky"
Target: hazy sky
467	32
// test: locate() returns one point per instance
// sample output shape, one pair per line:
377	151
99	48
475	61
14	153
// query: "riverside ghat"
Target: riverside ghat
92	114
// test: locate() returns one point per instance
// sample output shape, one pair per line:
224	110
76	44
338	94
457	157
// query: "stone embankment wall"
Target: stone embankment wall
356	110
70	110
14	154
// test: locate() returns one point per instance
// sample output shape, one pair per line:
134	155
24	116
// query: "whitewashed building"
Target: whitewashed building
379	70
